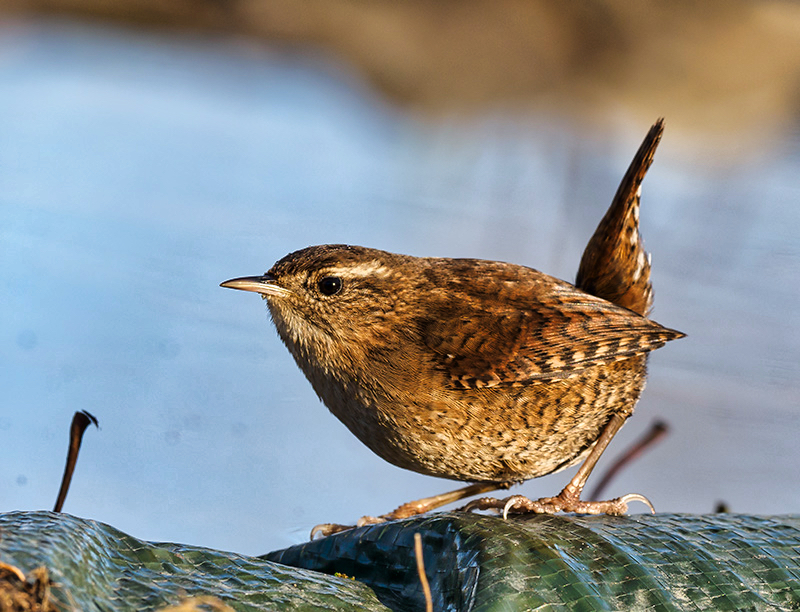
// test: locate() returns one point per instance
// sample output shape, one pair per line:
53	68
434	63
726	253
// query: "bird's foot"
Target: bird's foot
413	508
563	502
326	529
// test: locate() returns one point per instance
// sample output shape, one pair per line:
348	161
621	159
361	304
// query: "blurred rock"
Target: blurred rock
723	67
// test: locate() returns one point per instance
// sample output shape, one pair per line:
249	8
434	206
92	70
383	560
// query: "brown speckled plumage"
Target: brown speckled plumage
467	369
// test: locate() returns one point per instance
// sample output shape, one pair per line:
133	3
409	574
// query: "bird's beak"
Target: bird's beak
265	285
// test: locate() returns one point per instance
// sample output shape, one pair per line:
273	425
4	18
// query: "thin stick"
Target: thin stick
657	431
80	421
426	589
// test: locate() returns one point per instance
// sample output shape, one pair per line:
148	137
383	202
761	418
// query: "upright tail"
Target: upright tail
615	265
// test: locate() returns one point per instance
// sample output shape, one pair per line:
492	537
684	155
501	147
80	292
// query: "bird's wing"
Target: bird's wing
516	338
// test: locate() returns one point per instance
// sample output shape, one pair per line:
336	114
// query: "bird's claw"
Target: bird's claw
519	504
631	497
326	529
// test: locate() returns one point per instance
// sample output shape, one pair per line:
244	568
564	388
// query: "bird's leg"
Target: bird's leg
414	508
427	504
569	500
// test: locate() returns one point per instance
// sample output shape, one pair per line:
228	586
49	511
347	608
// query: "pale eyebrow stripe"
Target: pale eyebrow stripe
370	268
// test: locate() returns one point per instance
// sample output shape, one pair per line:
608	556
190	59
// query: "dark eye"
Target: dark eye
330	285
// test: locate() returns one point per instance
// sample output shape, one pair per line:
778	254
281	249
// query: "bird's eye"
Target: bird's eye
330	285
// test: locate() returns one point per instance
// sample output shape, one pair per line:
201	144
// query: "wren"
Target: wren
478	371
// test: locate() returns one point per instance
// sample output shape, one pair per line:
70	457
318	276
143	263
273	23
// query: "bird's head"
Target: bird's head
333	297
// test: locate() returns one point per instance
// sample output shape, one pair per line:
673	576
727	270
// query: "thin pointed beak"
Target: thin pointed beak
265	285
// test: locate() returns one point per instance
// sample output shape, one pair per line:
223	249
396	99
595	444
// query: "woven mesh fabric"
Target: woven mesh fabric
97	567
661	562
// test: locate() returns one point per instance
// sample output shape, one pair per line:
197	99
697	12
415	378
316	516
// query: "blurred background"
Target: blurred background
151	150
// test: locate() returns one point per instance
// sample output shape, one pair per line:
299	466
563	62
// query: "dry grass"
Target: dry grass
20	593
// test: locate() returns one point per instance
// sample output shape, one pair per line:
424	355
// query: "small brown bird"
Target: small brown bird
478	371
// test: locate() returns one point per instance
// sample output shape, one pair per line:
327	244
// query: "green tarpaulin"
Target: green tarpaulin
660	562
